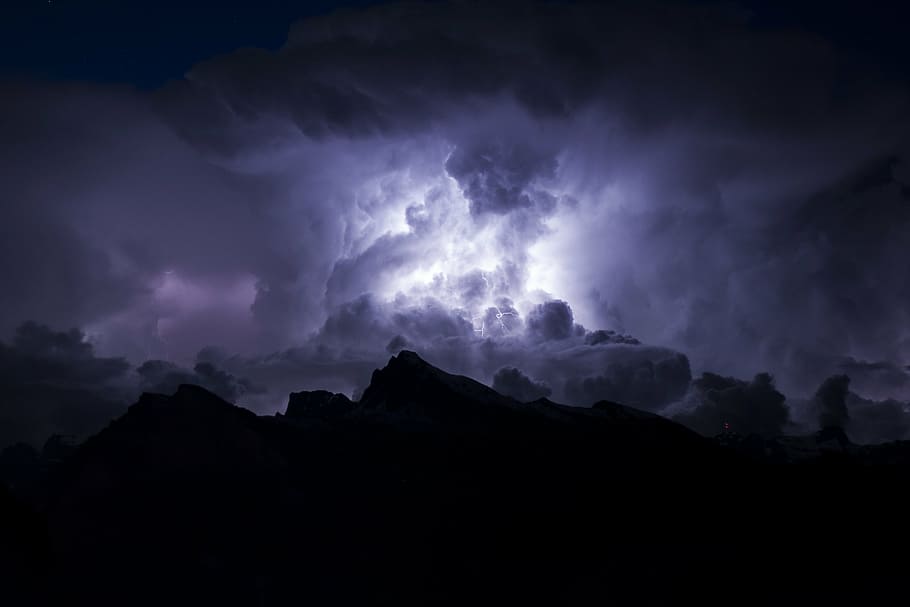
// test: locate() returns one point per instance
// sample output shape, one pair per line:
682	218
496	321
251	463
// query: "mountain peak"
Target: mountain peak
189	398
410	357
408	381
193	392
407	361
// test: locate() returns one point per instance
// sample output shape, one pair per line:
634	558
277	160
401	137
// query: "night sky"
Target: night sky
654	203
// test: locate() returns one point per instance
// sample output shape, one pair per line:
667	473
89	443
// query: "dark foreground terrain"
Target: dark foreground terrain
434	489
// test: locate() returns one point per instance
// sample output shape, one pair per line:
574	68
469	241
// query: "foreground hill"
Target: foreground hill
435	489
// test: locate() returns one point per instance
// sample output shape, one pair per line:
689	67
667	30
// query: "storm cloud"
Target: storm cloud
722	404
874	421
512	382
164	377
642	382
831	402
52	382
579	192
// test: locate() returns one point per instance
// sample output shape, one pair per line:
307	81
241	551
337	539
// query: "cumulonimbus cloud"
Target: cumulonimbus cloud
500	193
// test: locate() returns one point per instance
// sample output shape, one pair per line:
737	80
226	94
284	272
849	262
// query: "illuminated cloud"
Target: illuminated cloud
564	190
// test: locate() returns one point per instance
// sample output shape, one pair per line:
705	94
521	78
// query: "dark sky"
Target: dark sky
587	201
147	43
141	42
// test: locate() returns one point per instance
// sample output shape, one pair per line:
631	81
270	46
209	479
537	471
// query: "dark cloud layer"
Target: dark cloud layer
479	183
164	378
728	404
877	421
878	378
497	178
831	401
52	382
552	320
647	384
512	382
608	336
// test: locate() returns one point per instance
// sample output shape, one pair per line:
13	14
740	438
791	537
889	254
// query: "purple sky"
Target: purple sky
486	187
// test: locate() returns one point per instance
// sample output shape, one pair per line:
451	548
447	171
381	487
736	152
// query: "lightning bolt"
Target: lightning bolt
482	324
499	314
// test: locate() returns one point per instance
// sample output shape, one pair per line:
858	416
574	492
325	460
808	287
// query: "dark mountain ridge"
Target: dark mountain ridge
435	489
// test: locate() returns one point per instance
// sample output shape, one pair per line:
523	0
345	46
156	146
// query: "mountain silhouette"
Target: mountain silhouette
435	489
410	393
